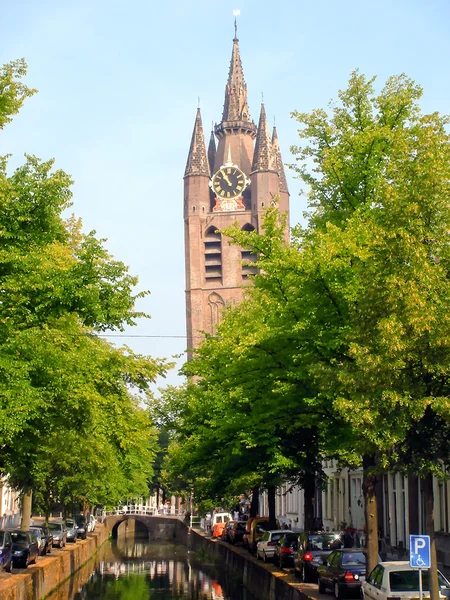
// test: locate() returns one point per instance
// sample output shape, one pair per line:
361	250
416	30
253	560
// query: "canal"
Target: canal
132	568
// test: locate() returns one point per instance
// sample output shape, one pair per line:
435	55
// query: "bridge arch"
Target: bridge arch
158	527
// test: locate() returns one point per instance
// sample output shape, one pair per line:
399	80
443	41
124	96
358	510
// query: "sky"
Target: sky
120	81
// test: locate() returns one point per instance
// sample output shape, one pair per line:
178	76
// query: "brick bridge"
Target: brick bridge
167	527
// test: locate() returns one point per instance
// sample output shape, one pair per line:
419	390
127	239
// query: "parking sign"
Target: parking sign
419	551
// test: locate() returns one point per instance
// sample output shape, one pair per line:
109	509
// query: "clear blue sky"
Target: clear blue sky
119	83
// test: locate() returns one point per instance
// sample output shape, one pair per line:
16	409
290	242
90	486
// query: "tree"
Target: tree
378	171
60	385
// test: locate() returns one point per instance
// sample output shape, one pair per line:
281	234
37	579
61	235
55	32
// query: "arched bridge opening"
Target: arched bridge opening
164	528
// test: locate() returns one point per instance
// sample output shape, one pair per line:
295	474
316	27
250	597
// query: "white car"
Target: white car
398	580
265	548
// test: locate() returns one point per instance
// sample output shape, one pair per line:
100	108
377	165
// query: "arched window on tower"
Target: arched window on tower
213	255
248	257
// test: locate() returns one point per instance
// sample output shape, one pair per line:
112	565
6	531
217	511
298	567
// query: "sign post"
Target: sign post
419	556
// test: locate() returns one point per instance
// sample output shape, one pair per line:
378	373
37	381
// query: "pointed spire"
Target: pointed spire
197	162
212	152
279	161
236	106
263	158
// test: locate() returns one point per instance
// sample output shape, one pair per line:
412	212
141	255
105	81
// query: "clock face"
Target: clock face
229	182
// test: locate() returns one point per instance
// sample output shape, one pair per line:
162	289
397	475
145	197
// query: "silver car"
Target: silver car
59	531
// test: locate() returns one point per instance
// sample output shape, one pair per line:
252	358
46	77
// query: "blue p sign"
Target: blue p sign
419	551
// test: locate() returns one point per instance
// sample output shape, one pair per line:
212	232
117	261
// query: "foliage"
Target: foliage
72	425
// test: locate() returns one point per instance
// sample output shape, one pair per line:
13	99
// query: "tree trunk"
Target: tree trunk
25	521
271	500
370	507
309	490
254	506
429	530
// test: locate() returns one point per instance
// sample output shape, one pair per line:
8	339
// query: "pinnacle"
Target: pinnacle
263	158
279	161
197	162
212	152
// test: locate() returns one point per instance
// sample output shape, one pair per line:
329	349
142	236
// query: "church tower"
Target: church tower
234	181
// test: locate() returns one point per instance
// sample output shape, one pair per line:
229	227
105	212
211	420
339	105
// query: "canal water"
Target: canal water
136	569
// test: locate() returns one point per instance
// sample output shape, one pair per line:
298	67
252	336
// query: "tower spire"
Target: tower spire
197	162
263	158
279	161
236	105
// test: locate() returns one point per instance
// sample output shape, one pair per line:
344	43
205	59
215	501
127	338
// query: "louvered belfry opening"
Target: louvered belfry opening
248	257
213	256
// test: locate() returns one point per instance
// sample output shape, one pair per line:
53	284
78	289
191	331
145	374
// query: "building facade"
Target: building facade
233	181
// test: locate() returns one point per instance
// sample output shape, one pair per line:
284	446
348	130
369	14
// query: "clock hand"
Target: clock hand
227	179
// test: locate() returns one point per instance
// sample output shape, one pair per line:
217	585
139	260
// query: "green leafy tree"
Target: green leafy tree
378	172
71	426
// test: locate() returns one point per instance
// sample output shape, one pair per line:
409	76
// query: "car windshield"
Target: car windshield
55	526
241	526
353	559
321	541
37	532
17	536
408	581
276	536
70	523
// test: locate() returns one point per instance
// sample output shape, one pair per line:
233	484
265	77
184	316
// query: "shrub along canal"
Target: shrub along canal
134	568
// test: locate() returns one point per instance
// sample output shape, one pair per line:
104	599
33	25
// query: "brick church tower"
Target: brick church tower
233	182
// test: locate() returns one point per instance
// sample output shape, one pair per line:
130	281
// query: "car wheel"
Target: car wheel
322	587
337	591
305	577
33	562
8	569
264	557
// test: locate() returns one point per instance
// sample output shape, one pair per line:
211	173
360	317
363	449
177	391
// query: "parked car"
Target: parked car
48	537
82	526
342	571
237	531
59	532
6	551
398	579
37	531
313	548
218	522
285	549
25	548
226	531
257	528
265	548
72	531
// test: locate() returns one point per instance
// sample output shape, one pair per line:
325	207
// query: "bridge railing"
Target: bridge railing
148	511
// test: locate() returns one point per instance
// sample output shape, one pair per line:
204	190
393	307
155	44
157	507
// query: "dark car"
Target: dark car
313	548
285	550
45	536
5	551
25	548
342	571
72	530
237	531
226	531
59	531
81	522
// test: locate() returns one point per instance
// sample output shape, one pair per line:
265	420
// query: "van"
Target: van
218	523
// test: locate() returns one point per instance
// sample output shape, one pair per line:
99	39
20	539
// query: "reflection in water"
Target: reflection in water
134	569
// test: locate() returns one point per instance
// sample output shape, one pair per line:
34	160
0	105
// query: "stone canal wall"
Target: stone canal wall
50	572
264	581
